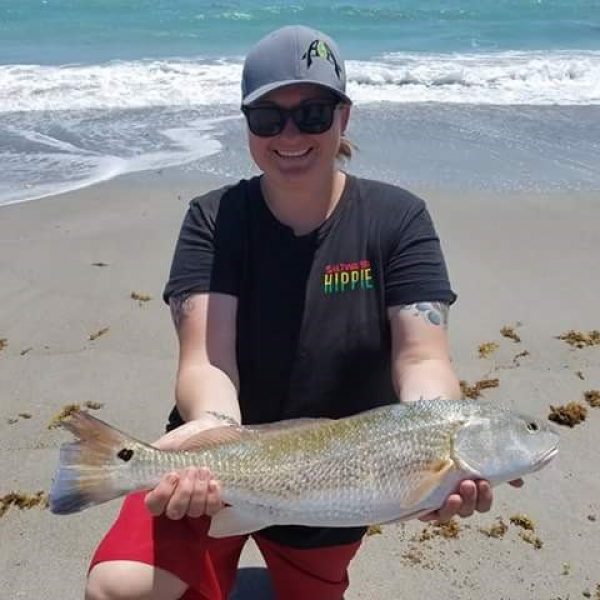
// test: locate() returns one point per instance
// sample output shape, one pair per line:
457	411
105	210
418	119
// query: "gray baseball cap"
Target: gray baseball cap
293	54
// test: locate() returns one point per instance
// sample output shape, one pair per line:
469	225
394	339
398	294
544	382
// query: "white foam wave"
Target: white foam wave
74	167
536	78
135	84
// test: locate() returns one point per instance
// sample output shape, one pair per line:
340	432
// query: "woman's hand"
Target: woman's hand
471	496
192	492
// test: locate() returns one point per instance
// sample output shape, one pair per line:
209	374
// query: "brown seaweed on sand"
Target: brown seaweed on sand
509	332
22	500
487	348
97	334
448	531
523	521
93	405
580	375
374	530
99	264
68	410
581	339
3	343
531	538
497	530
140	297
592	397
570	414
474	391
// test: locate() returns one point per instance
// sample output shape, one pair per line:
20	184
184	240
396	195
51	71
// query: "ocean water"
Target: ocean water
478	94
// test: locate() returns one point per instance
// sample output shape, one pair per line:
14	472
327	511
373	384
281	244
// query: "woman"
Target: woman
304	292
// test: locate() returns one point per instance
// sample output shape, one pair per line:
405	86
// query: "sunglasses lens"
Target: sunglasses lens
265	121
314	117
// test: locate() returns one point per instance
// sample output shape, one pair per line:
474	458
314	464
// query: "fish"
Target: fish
392	463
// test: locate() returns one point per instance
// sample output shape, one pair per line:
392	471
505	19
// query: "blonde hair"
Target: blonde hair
346	149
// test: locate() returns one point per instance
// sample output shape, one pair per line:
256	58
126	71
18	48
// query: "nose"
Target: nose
290	129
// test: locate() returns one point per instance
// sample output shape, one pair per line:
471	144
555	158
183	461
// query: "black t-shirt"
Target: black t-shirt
313	336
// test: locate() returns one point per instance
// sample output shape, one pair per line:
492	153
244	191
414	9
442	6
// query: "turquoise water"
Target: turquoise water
91	89
100	30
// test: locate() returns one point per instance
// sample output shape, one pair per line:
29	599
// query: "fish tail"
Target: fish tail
93	469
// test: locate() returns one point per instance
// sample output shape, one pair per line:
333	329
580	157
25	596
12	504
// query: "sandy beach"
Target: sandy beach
68	268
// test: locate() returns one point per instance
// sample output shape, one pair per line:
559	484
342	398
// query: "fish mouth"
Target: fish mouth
545	458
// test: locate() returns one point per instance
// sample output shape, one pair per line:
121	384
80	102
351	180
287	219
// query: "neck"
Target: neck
304	209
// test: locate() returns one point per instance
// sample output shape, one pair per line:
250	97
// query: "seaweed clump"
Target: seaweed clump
23	501
3	343
487	348
65	412
474	391
523	521
570	414
528	530
581	339
531	538
448	531
374	530
497	530
509	332
592	397
93	405
141	298
69	409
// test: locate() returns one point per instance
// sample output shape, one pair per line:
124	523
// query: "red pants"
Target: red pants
209	565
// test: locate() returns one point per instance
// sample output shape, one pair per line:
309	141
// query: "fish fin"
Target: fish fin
231	521
214	437
87	472
431	479
411	515
232	432
287	424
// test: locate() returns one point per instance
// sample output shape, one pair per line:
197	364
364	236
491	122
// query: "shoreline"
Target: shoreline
458	148
175	181
521	260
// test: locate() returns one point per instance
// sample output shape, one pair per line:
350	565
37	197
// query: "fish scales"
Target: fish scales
333	452
389	463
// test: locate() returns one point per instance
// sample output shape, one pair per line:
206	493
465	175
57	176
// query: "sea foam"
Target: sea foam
529	78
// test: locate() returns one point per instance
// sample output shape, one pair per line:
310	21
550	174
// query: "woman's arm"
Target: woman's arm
207	380
421	366
421	369
207	377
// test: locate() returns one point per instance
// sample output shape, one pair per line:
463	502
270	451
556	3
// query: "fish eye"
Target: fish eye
532	426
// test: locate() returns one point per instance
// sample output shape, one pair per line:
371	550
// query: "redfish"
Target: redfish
391	463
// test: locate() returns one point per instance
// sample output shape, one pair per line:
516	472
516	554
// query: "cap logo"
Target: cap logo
319	49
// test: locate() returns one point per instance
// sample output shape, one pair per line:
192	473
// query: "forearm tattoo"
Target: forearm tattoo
435	313
181	306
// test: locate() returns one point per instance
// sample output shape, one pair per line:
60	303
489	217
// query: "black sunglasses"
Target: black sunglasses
309	117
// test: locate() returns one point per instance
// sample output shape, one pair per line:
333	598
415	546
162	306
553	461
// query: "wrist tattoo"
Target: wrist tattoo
181	306
435	313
